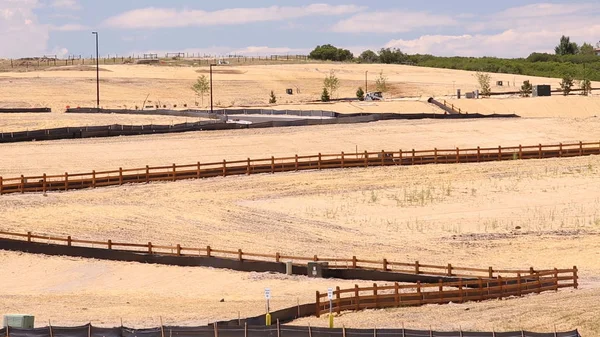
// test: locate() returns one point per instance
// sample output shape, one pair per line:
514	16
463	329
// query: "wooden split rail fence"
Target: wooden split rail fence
415	268
94	179
403	295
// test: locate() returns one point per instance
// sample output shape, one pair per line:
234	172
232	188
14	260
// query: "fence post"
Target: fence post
575	277
272	164
366	159
540	151
499	152
520	152
375	294
449	269
296	163
357	297
319	163
417	271
147	174
120	176
174	172
491	272
109	244
240	254
178	249
69	241
248	167
580	148
354	262
224	168
342	159
519	292
28	236
413	157
1	186
382	157
22	184
277	257
457	155
198	170
560	150
43	183
400	157
478	154
435	156
150	248
337	300
66	181
318	305
208	251
555	279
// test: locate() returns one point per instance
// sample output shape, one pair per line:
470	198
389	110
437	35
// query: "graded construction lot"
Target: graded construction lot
511	215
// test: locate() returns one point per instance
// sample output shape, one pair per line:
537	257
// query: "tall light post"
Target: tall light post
97	73
211	88
366	83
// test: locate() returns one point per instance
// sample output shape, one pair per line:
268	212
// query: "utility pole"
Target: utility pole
211	88
366	82
97	73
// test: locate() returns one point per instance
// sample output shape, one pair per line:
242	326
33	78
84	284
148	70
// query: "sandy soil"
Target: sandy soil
85	155
464	214
10	122
233	86
555	106
69	291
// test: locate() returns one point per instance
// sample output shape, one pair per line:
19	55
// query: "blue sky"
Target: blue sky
506	28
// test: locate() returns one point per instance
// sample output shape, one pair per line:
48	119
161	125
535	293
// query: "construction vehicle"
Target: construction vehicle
374	96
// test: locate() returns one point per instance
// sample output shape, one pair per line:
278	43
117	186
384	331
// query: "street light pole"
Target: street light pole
211	89
97	73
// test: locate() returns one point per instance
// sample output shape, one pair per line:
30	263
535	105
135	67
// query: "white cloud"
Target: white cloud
169	17
69	27
20	32
72	5
267	51
515	32
392	22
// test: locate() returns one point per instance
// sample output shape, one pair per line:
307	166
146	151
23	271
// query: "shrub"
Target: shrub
360	94
273	98
325	95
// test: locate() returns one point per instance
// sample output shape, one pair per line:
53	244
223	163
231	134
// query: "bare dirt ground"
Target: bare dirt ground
86	155
510	214
128	85
12	122
464	214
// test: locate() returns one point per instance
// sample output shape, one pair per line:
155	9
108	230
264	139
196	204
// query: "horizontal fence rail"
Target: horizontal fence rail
415	268
404	295
69	181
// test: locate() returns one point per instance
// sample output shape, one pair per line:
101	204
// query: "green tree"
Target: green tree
368	56
331	82
360	94
381	82
566	47
331	53
586	87
587	49
484	81
273	98
526	89
392	56
325	95
566	84
201	87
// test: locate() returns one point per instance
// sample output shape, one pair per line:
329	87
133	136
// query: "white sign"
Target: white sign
268	293
330	293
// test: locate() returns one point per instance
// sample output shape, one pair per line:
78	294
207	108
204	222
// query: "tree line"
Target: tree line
569	59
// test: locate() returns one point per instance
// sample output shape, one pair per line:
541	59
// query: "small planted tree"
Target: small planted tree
566	84
360	94
586	87
381	82
331	82
201	87
526	89
484	81
273	98
325	95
